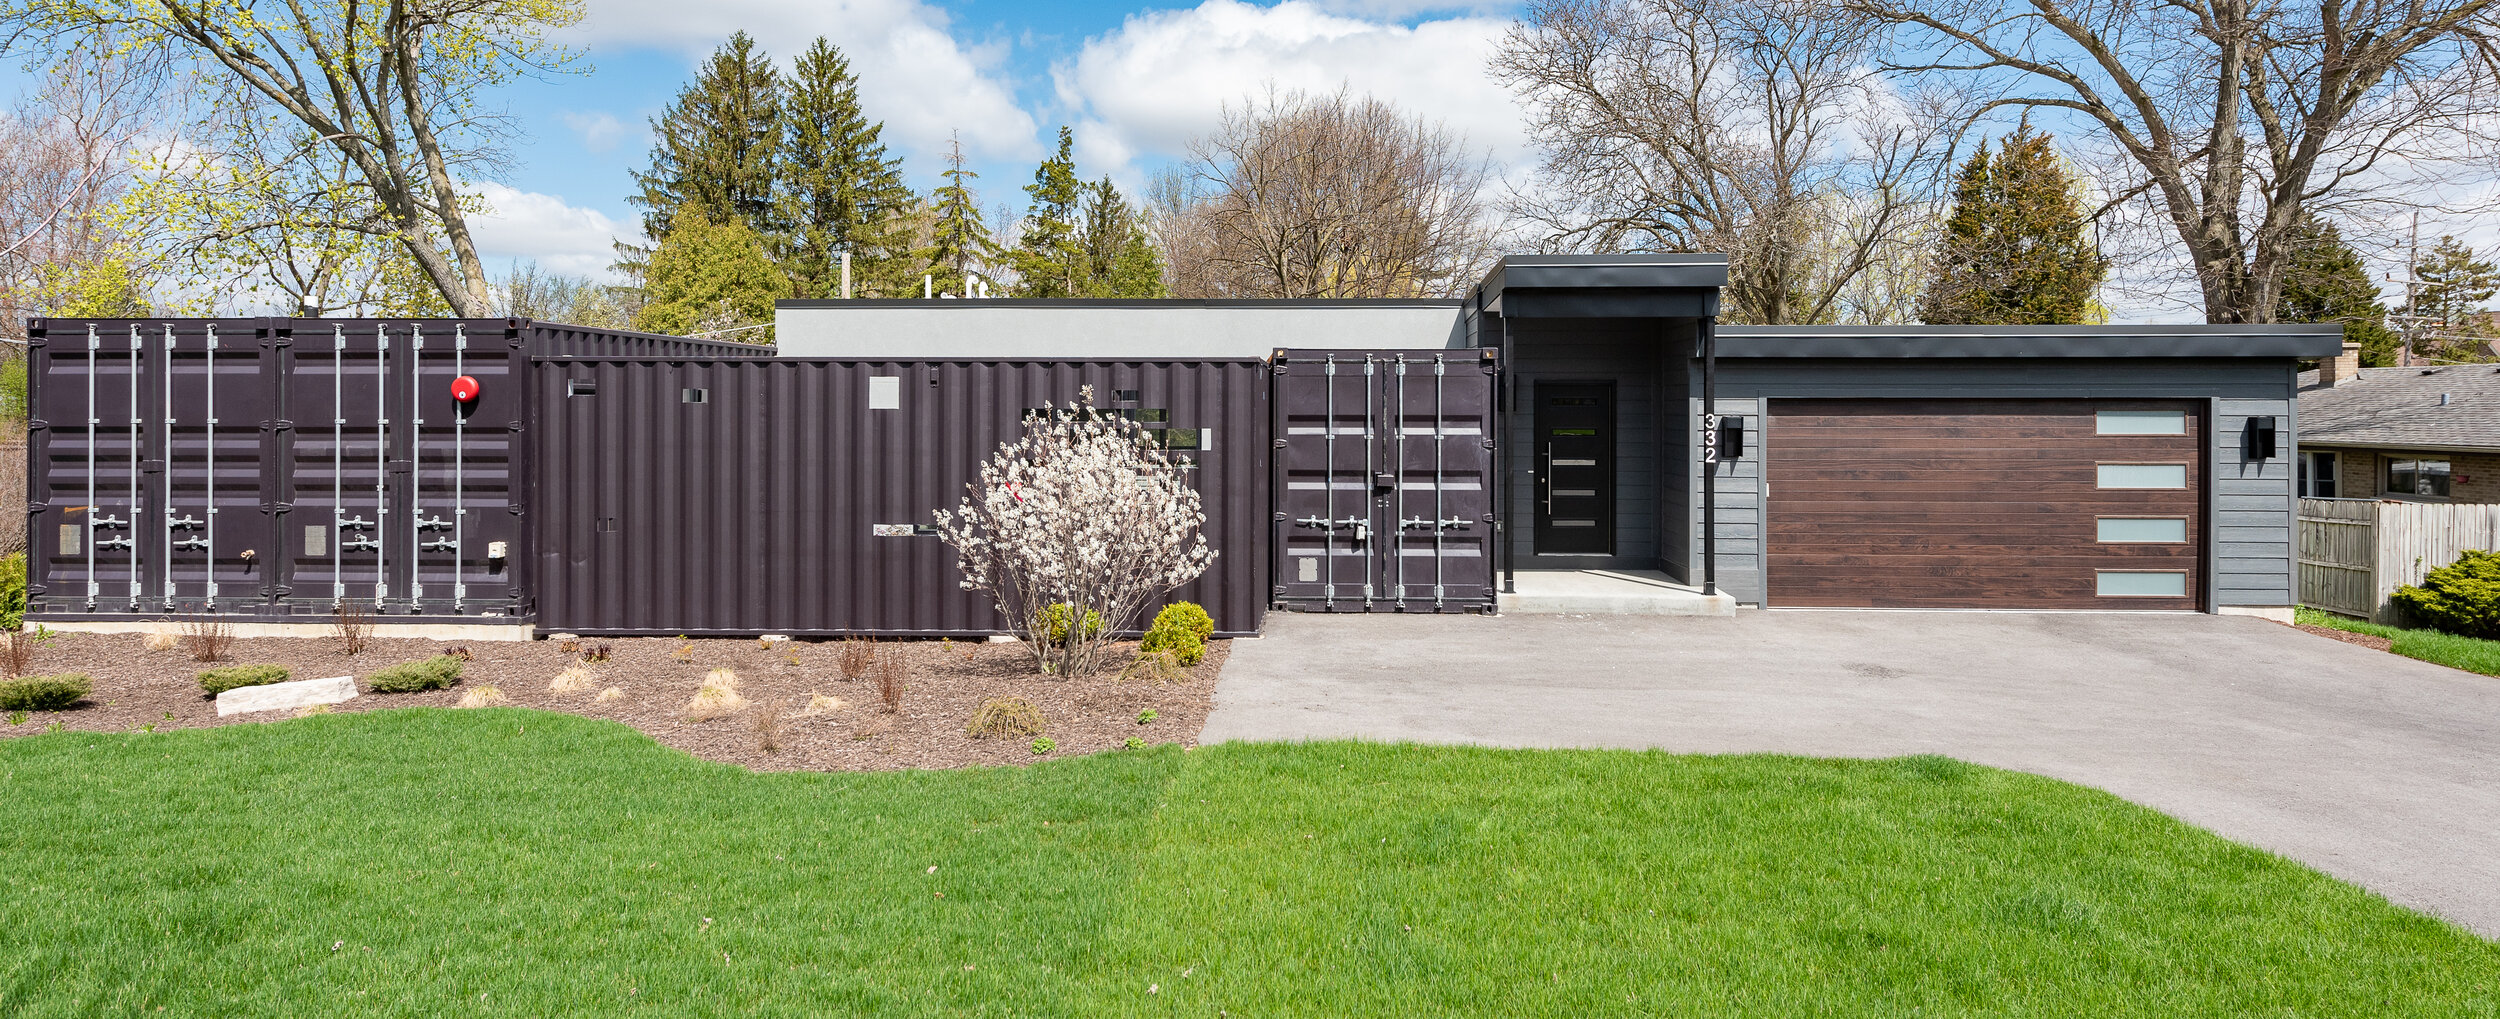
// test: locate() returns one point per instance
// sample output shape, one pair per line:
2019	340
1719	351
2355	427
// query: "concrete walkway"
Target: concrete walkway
2377	769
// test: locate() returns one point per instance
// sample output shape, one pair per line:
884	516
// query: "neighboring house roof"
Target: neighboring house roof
2438	407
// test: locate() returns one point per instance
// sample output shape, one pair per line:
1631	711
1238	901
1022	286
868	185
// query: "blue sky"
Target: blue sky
1134	81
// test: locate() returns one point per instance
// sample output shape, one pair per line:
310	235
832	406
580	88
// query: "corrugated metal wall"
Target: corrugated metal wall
794	495
268	468
1383	482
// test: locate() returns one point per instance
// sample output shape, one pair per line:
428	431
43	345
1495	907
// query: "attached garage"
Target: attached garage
1980	467
2051	504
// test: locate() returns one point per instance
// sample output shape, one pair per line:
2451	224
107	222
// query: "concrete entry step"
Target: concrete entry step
1608	593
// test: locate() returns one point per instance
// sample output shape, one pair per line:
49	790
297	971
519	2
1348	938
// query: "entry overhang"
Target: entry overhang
1604	286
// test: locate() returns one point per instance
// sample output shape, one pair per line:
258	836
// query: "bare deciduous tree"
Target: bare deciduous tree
397	91
1326	196
2233	119
64	160
1752	127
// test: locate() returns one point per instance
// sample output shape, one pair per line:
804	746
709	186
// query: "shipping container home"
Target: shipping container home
1637	445
1579	433
265	470
796	495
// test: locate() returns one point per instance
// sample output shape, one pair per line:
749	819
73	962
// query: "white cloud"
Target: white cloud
914	74
560	237
599	132
1164	77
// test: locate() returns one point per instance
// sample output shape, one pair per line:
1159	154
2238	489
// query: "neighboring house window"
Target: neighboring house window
2418	477
2318	472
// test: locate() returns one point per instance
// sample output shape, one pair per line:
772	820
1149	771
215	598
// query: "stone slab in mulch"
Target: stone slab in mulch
287	696
656	677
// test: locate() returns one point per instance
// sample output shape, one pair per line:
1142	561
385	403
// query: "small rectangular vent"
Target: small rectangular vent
694	396
580	387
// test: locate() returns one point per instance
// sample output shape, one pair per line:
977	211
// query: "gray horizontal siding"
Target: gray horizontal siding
1737	501
2253	504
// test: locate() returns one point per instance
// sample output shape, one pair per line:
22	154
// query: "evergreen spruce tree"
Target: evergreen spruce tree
2327	282
838	190
716	147
1047	258
707	276
960	243
1119	258
2454	285
2016	249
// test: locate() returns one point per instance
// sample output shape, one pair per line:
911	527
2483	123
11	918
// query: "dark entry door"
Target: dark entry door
1384	482
1575	463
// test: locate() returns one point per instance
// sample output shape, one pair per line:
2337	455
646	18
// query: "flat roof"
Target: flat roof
820	303
1637	271
2279	340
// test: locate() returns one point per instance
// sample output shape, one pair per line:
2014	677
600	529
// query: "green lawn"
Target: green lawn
507	862
2472	654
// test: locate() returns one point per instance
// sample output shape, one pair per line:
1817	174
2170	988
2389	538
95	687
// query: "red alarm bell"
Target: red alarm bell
464	389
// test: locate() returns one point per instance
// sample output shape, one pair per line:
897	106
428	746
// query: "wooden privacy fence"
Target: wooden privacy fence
2354	553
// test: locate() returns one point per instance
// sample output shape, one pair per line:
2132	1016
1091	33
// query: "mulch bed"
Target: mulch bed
2347	636
949	681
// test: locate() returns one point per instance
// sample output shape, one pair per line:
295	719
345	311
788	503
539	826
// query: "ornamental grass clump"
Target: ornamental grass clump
576	678
1006	716
1085	519
217	681
484	696
716	697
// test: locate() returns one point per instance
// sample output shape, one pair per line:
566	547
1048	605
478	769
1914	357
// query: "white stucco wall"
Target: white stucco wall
1014	330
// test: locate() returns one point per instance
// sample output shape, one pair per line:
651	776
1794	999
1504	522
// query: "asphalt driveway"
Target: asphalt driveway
2378	769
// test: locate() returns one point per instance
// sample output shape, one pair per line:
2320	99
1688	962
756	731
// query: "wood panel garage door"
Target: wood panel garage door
1985	503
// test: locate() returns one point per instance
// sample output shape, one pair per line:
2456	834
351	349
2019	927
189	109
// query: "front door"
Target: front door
1575	464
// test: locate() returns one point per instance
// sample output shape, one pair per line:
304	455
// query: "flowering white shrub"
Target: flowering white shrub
1085	511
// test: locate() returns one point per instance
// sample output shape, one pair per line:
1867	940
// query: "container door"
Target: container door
1440	524
218	402
1324	409
461	471
91	534
1383	479
340	462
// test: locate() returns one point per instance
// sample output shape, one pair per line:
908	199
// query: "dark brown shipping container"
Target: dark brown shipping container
1384	482
797	495
267	468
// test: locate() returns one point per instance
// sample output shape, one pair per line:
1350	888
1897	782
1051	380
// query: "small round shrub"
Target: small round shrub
1055	621
2462	597
1180	630
1045	745
44	693
1135	743
436	673
217	681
